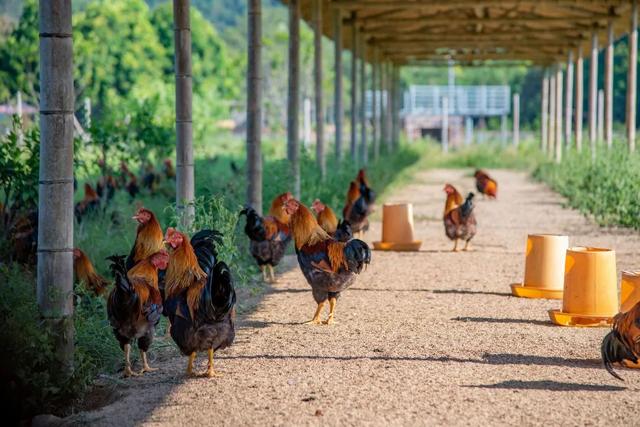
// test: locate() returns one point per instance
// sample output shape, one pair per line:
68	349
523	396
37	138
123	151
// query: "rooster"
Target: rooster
135	305
106	187
366	191
90	202
341	230
86	273
486	185
150	179
329	266
356	209
148	237
200	298
622	344
268	236
169	171
459	220
129	180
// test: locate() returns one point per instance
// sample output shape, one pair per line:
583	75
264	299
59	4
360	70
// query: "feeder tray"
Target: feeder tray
523	291
399	247
583	320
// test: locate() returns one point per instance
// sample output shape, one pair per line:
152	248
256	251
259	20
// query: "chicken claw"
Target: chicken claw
192	358
272	274
128	372
332	309
316	316
145	364
467	246
211	373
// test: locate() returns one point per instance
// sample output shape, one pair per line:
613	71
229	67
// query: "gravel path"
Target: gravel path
428	338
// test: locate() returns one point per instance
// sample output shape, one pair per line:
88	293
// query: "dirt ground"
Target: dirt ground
426	338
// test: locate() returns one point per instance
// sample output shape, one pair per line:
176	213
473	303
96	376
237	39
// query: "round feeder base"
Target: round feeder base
583	320
519	290
397	247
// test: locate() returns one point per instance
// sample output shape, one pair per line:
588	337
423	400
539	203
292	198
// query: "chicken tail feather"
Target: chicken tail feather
613	349
254	227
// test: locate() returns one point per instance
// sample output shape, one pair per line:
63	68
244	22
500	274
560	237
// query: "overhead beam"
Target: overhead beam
425	4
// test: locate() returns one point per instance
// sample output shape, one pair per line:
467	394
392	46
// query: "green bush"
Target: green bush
608	189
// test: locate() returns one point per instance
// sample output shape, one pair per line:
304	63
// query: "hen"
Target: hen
356	209
329	266
622	344
135	305
366	191
169	171
200	298
268	236
339	230
486	185
86	273
459	220
148	237
90	202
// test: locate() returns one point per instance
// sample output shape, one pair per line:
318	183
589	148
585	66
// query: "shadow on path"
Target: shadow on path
547	385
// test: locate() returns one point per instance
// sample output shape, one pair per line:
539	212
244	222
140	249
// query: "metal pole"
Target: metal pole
293	103
632	78
55	189
544	114
317	43
579	98
568	101
185	180
339	106
516	119
254	105
608	87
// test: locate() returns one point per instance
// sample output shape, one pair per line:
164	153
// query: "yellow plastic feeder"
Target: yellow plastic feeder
543	268
629	290
590	288
397	229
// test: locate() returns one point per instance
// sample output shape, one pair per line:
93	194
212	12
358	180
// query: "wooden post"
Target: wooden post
544	114
55	189
558	137
374	105
551	139
337	95
293	101
317	75
185	180
608	87
516	119
632	78
593	92
364	152
579	98
254	105
568	101
354	87
600	124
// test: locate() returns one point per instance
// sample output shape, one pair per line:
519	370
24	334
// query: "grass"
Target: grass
220	186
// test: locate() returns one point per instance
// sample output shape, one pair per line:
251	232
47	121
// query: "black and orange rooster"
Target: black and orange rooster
459	220
366	191
486	185
149	238
129	181
622	344
89	203
86	273
268	236
106	187
356	209
339	230
200	298
150	179
135	305
329	266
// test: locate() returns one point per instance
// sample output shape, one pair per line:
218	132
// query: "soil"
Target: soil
423	338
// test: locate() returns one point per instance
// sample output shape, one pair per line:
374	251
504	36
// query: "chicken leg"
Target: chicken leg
263	268
127	362
455	246
316	316
145	363
272	274
332	309
192	358
467	246
210	371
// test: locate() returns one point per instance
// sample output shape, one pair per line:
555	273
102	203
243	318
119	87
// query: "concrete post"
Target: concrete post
55	188
608	87
374	105
293	101
558	126
254	105
544	113
579	98
551	139
364	149
568	111
337	95
185	179
468	131
632	78
593	91
354	87
516	119
503	129
600	124
445	125
317	78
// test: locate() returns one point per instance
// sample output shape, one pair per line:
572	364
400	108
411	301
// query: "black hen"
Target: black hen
343	232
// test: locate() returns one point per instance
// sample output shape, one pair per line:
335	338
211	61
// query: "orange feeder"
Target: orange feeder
397	229
629	290
543	268
590	288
